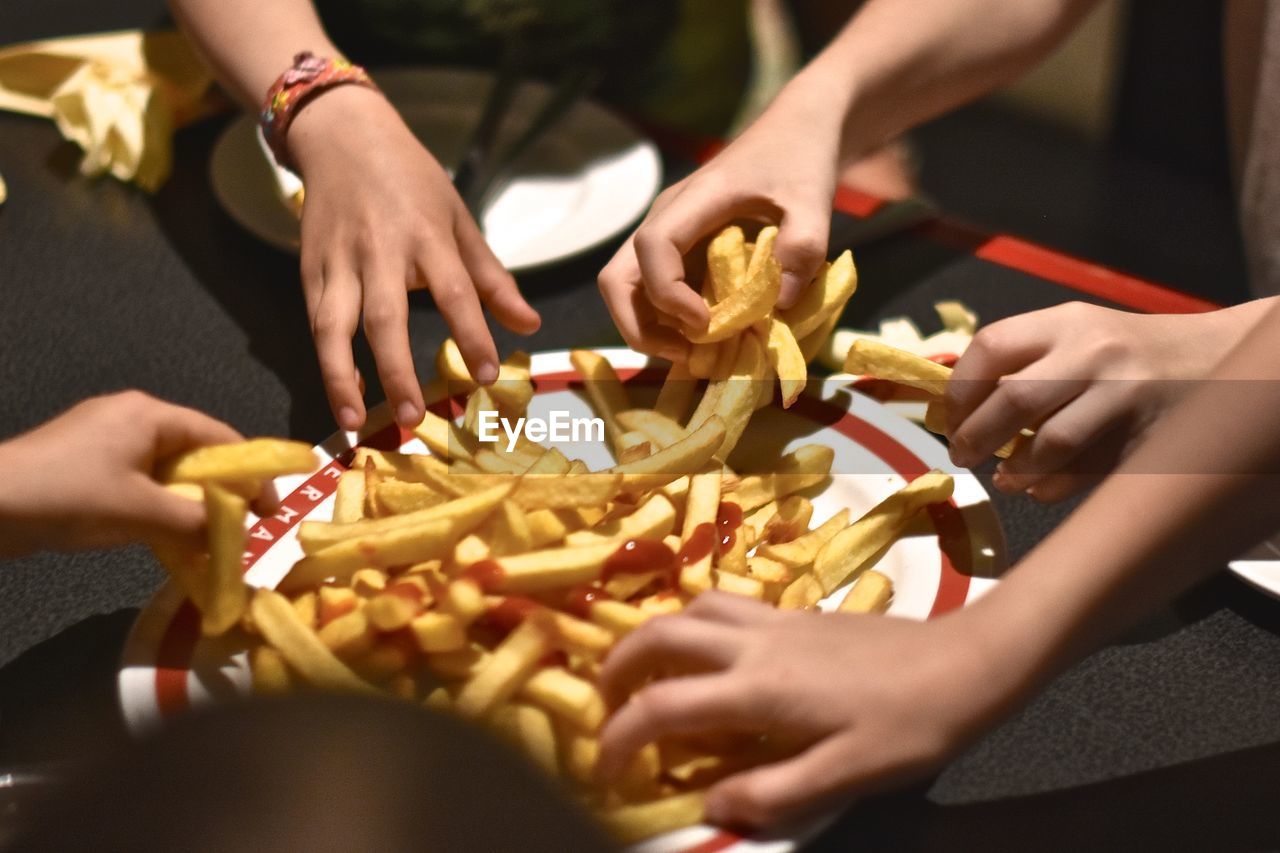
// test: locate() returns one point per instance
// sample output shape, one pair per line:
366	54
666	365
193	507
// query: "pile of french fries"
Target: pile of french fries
492	581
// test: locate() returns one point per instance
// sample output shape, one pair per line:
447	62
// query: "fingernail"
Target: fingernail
791	287
407	414
487	373
348	419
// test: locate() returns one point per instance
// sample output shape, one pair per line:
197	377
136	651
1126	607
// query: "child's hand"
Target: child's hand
857	703
1089	380
782	169
84	479
382	218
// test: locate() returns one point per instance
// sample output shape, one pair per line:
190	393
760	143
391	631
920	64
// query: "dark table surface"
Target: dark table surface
1168	737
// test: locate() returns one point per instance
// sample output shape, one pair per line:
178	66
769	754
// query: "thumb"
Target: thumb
162	515
800	248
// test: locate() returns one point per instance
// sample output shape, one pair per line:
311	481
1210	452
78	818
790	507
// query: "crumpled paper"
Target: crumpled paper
119	96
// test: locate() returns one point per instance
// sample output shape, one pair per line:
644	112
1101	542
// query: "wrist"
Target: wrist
331	117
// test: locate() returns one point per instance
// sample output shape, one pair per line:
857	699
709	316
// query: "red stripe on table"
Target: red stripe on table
1090	278
856	202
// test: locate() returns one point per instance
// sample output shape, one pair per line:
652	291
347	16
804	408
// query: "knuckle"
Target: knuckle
1020	395
385	314
1055	440
990	339
450	290
806	245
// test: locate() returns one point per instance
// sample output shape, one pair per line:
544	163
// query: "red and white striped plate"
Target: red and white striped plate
168	667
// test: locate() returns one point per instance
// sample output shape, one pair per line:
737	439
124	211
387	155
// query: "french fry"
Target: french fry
464	512
269	671
604	390
348	497
749	303
804	467
633	446
740	585
444	438
661	430
803	550
700	512
227	595
301	647
255	459
436	631
790	521
505	671
551	568
689	454
652	519
872	358
638	821
823	300
726	262
399	498
737	400
870	594
851	550
529	728
674	397
786	360
572	699
702	360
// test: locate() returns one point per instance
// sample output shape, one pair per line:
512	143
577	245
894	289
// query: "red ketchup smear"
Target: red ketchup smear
579	600
486	574
513	610
702	542
637	556
728	520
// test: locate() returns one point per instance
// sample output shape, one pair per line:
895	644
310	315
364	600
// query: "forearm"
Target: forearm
1202	488
248	43
899	63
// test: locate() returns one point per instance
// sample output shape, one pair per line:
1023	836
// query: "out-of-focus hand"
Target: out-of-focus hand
854	703
1089	380
381	218
86	478
781	170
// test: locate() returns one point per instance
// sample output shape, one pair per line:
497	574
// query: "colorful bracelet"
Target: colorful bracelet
308	76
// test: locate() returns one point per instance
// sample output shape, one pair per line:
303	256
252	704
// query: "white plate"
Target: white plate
585	181
165	670
1261	567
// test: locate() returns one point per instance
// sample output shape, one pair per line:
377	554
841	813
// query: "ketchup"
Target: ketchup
513	610
579	600
636	556
701	543
487	574
728	520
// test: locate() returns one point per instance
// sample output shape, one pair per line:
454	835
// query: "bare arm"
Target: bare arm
380	217
249	43
897	63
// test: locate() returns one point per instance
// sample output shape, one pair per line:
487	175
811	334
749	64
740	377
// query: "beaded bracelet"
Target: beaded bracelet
308	76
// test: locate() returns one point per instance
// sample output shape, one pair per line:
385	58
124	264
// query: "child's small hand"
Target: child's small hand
856	703
85	478
382	218
782	169
1089	380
